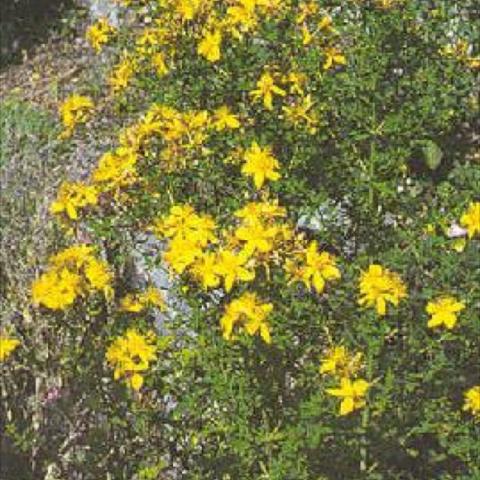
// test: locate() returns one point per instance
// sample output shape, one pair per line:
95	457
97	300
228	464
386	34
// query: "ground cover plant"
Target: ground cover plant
305	174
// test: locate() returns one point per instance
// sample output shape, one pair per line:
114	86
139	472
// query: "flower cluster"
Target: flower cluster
460	52
76	109
256	243
130	355
74	272
135	303
316	31
209	24
206	22
216	257
122	73
249	314
180	136
297	109
73	196
188	232
379	286
99	33
344	366
312	267
115	170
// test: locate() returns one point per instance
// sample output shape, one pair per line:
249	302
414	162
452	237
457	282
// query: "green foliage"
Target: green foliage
393	155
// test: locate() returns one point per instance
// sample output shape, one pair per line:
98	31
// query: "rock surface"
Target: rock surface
108	9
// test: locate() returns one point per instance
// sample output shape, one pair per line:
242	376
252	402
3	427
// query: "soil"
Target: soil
42	72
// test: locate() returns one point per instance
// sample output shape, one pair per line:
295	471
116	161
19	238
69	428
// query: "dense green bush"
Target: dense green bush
379	169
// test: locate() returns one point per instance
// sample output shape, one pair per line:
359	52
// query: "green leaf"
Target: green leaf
432	154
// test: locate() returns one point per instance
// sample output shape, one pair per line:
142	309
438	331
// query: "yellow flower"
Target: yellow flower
122	74
147	40
385	4
472	401
182	252
74	257
7	346
250	314
458	50
307	36
130	356
429	229
255	211
313	268
306	10
471	219
99	33
352	394
298	114
130	303
56	289
158	61
473	63
72	272
231	267
339	361
333	56
242	15
152	297
187	9
135	303
209	46
260	164
184	222
444	312
224	119
326	24
379	286
205	270
73	196
266	88
116	169
257	237
74	110
189	232
98	275
297	82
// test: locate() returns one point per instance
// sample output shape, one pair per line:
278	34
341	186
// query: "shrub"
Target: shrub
309	173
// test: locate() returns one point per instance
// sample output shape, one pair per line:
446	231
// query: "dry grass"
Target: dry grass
33	162
30	168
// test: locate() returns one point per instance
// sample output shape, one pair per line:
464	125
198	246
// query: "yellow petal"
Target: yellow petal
265	333
347	406
318	282
381	306
136	381
71	211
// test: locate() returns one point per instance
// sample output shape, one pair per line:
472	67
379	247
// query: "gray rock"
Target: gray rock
147	271
328	214
108	9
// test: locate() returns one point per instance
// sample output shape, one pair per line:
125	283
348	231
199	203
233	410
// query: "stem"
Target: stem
364	457
363	439
373	155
